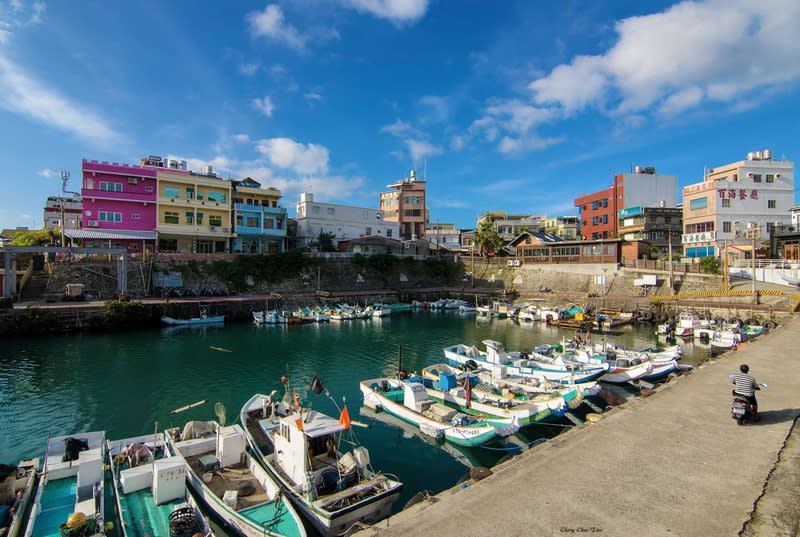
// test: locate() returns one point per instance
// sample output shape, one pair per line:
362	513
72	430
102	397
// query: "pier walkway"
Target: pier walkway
672	464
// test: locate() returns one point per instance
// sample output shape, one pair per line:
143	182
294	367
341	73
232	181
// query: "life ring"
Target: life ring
752	322
769	325
661	317
735	322
703	317
647	316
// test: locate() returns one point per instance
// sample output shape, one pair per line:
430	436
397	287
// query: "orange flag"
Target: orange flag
344	418
299	423
296	401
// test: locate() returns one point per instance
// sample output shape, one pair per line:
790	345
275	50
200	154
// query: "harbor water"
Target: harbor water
126	383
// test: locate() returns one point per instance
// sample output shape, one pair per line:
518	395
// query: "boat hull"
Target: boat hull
195	320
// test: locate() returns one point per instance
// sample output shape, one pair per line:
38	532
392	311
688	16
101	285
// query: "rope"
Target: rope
516	448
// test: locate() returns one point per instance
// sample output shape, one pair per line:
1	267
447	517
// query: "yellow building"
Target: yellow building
194	212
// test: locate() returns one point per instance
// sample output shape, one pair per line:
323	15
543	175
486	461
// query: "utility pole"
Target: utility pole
64	181
669	259
754	231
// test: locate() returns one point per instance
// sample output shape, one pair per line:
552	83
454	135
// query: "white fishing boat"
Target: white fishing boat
202	319
409	400
268	317
301	448
16	489
150	490
70	497
230	483
502	364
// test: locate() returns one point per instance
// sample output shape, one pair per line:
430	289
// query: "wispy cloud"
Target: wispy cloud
46	173
400	129
514	123
26	96
270	23
676	60
420	149
312	96
395	11
248	69
264	105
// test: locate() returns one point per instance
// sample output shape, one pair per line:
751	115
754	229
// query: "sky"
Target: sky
507	105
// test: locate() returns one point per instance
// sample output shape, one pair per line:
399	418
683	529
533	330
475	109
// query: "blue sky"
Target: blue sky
508	105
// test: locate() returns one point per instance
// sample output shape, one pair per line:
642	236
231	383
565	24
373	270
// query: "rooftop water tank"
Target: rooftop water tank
767	154
751	156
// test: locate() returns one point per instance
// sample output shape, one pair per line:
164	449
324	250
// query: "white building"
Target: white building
646	188
57	208
444	235
343	221
735	201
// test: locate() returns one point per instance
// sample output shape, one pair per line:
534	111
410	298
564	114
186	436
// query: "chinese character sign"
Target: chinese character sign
741	194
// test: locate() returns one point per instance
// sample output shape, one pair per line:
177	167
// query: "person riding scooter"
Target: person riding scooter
745	386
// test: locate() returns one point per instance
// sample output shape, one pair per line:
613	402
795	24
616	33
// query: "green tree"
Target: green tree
486	238
35	237
710	264
325	241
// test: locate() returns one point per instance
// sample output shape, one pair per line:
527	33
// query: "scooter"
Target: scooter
742	410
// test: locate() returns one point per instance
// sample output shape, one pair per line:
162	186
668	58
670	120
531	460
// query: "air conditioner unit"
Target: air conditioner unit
133	180
212	228
93	223
226	230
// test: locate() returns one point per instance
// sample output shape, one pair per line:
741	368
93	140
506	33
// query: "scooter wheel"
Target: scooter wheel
740	420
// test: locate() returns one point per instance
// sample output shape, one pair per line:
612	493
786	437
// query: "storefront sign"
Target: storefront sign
733	193
705	236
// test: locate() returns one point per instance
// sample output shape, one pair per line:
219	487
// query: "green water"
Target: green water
125	382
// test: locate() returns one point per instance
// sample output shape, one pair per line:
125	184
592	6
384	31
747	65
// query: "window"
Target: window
136	216
214	220
770	178
756	177
411	212
111	187
252	221
771	204
239	220
389	233
110	217
698	203
171	192
269	223
168	245
726	227
735	176
199	217
368	230
315	209
171	217
594	205
219	197
594	220
605	219
148	188
605	202
200	195
189	193
726	202
413	200
595	236
331	211
190	217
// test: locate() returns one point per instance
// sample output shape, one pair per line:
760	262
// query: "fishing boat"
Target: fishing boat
379	310
478	393
150	490
408	399
501	363
229	483
16	488
301	448
70	497
268	317
204	318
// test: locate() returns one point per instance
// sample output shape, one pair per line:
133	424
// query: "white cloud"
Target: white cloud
419	149
437	108
328	188
220	164
241	138
312	96
518	120
248	69
264	105
5	35
457	143
690	54
396	11
302	158
400	129
21	94
271	24
38	9
47	173
16	5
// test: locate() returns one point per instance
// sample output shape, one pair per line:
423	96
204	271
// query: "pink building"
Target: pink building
119	207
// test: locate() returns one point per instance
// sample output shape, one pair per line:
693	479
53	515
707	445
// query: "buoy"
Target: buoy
592	417
76	520
219	349
109	526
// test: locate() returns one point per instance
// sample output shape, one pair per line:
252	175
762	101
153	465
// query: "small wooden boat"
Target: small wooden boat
150	490
335	490
19	482
203	319
268	317
409	400
230	483
70	497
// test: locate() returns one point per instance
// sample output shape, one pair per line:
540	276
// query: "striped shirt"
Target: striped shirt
745	384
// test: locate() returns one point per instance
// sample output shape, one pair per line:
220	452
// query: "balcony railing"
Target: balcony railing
243	207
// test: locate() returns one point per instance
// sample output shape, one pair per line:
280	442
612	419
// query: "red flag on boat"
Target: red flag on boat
468	391
299	423
344	418
296	401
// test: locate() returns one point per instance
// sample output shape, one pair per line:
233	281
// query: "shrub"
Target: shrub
710	264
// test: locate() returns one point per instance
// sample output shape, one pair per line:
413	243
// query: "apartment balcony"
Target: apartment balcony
193	230
194	203
120	196
245	230
263	209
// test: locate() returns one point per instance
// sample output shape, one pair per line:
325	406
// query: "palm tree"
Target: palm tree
487	239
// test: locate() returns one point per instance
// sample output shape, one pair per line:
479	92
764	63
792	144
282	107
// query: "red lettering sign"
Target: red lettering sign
742	194
754	195
721	193
732	193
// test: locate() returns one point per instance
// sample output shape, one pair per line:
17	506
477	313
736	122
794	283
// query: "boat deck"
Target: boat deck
230	478
58	503
142	517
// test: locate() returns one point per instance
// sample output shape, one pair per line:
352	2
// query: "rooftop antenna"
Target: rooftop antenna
425	170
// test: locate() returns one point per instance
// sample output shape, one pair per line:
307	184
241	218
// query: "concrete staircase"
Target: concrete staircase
35	287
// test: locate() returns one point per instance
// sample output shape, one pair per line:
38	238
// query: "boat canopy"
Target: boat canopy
316	425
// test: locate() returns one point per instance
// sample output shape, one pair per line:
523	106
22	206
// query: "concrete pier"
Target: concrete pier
674	463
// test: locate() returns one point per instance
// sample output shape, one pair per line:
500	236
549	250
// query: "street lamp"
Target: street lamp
754	233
